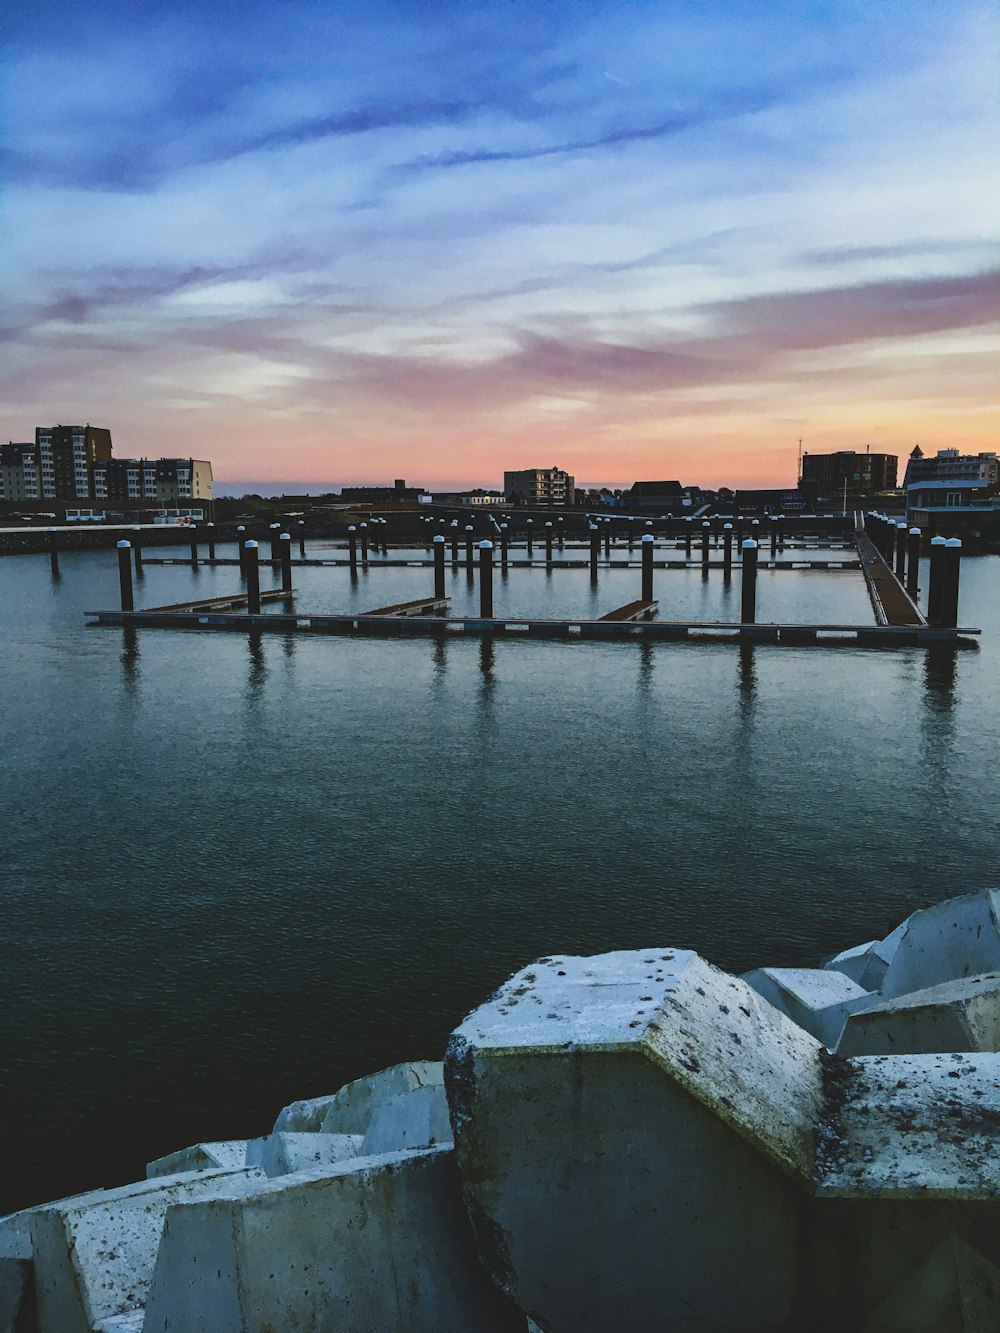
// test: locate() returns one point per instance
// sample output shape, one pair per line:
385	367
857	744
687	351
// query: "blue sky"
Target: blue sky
334	242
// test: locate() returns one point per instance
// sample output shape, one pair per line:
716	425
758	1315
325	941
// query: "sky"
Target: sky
347	242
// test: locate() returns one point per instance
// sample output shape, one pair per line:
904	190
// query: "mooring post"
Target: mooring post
562	532
125	575
687	538
727	550
748	608
384	525
468	548
438	545
630	532
950	577
275	531
137	548
781	532
670	525
194	548
934	583
210	535
774	536
363	534
302	539
646	547
352	547
913	561
241	555
706	532
548	543
504	542
454	541
595	550
53	553
252	565
900	551
286	561
531	548
889	538
606	525
486	580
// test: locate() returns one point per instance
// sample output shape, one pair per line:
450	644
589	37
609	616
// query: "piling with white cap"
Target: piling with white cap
935	586
275	531
438	545
900	551
285	542
251	563
748	606
548	543
606	525
469	565
706	533
240	539
950	576
137	548
504	541
530	527
125	575
595	550
302	539
561	531
352	547
363	534
774	536
194	548
727	550
454	541
647	545
486	580
53	553
913	562
687	537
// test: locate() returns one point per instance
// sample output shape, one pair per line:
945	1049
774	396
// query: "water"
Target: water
238	872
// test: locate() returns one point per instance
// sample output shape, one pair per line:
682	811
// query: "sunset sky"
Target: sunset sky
345	242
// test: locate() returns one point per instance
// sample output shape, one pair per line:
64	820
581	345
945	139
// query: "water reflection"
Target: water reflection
257	673
940	673
130	656
747	676
645	677
486	664
440	659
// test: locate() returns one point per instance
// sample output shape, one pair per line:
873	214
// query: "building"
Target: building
544	487
846	475
773	501
379	494
950	487
19	472
66	459
159	482
476	499
666	497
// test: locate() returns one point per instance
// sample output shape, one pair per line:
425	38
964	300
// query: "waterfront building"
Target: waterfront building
949	465
953	490
379	494
478	499
66	459
19	472
542	486
131	482
668	497
846	475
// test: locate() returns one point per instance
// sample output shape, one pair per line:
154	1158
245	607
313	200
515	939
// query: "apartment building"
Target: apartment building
828	478
66	459
19	472
160	482
546	487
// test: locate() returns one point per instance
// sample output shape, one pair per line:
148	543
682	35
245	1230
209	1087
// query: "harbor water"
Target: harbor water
242	870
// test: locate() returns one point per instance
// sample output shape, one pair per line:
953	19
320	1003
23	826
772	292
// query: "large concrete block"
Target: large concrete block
417	1119
882	953
852	962
223	1155
818	1000
280	1154
954	1016
636	1139
303	1117
16	1228
956	939
17	1296
378	1245
94	1255
351	1108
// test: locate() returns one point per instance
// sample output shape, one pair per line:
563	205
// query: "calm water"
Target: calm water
239	872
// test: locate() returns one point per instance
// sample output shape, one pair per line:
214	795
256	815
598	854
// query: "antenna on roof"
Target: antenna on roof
799	482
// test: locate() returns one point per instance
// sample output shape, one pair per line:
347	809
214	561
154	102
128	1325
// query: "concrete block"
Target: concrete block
852	962
304	1117
417	1119
123	1323
377	1245
956	939
223	1155
818	1000
94	1255
635	1134
16	1228
351	1108
954	1016
954	1290
17	1296
280	1154
882	954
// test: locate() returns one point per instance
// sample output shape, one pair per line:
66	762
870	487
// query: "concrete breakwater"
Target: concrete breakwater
633	1140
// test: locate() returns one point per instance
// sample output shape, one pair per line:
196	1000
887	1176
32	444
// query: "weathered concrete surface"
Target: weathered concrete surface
818	999
954	1290
882	954
417	1119
224	1155
378	1245
956	939
636	1134
279	1154
303	1117
912	1127
953	1016
94	1255
16	1228
852	962
17	1296
350	1110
